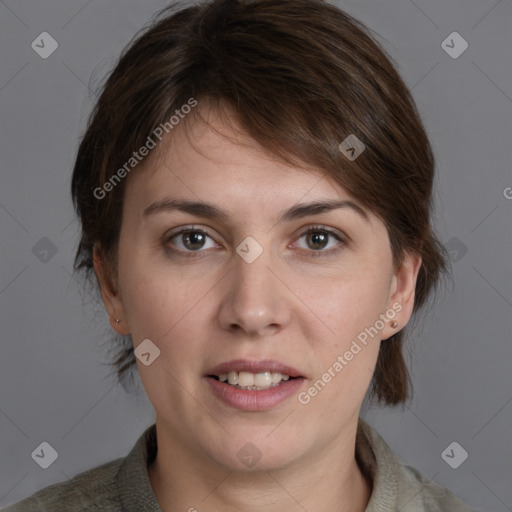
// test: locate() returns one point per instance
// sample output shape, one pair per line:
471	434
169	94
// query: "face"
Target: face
256	284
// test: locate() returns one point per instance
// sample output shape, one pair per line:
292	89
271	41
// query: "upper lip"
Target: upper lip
251	366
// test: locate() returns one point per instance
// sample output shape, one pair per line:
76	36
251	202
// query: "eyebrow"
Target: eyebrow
210	211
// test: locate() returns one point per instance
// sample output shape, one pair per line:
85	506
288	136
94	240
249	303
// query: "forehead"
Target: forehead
211	158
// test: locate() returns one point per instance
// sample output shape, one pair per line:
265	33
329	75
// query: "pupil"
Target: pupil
318	238
195	238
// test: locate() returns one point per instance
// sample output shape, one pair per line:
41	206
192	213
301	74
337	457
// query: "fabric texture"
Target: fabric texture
123	484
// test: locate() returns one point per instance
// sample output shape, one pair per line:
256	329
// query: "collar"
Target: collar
133	485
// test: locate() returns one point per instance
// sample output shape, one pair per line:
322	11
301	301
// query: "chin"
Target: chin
246	454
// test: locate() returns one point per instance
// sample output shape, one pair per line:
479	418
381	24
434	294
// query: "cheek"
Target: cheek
170	311
344	359
161	304
336	395
345	335
149	307
346	304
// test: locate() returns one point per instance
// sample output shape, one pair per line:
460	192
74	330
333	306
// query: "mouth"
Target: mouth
254	385
247	374
252	381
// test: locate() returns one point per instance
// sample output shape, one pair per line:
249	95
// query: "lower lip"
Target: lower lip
253	400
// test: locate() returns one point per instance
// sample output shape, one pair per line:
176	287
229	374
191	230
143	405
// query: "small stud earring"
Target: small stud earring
394	324
117	320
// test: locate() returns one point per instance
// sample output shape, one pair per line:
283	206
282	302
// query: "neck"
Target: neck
324	482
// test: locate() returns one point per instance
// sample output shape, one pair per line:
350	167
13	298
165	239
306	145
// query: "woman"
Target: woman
254	188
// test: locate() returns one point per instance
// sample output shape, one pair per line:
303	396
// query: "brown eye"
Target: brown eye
193	240
190	240
317	239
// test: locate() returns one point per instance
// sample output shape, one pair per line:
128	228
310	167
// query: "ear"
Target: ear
401	298
109	292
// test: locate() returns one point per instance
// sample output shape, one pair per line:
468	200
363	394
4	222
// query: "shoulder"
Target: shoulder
94	489
418	492
121	484
397	486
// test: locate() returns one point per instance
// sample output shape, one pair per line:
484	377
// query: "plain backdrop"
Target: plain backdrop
55	385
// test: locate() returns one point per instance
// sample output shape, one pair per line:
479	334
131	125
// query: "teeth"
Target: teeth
262	380
253	381
245	379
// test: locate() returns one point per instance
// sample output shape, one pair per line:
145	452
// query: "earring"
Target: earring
394	324
117	320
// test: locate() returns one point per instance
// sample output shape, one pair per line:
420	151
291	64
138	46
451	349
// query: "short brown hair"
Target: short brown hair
301	75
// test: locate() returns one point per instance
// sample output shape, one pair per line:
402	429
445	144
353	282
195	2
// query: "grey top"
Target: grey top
123	484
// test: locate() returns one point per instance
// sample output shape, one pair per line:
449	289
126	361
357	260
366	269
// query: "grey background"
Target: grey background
54	383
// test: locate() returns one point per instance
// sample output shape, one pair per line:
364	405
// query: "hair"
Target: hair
301	76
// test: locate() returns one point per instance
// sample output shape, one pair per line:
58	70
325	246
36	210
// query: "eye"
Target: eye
191	240
318	238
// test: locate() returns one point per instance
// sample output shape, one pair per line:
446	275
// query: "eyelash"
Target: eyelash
312	229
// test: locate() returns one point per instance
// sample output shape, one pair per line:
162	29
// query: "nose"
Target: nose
255	301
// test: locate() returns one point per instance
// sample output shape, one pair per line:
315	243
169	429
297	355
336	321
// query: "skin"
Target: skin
287	305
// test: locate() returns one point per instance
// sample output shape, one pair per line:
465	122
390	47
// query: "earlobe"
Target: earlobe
109	292
402	295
